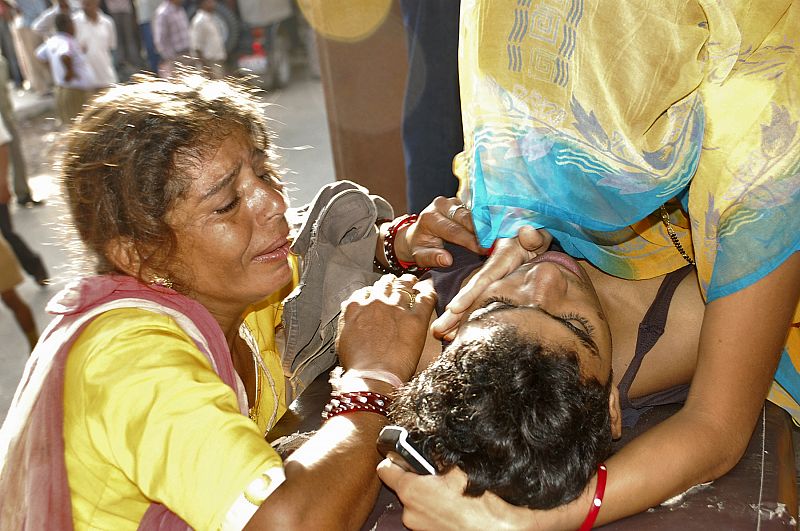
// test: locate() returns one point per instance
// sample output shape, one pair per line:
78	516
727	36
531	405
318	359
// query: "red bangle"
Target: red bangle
342	403
599	491
396	265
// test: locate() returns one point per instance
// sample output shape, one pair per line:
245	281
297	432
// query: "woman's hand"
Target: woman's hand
384	326
438	502
507	255
445	219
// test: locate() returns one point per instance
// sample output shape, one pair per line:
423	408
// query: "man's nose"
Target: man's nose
545	280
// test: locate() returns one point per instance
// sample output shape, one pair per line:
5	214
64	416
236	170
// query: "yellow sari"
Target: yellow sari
586	117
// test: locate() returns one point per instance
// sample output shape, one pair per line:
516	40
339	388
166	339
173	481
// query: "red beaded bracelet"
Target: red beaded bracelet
342	403
396	265
599	491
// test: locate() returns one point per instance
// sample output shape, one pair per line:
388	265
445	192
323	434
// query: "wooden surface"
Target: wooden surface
364	83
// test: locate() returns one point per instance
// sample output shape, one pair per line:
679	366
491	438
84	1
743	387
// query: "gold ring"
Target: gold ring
453	209
412	297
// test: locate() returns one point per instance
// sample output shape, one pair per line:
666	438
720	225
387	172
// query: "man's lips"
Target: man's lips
561	259
273	253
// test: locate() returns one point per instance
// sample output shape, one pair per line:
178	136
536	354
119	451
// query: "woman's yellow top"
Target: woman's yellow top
147	419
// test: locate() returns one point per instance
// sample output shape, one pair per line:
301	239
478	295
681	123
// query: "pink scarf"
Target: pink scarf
34	491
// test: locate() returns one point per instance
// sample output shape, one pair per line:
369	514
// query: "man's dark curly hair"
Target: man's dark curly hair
517	416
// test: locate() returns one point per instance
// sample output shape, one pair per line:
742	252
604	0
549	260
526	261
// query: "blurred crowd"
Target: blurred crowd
70	50
74	48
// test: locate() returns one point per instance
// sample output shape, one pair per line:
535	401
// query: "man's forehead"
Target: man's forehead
539	329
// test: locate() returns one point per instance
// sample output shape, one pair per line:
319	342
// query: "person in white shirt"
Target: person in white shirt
73	77
44	24
207	37
97	36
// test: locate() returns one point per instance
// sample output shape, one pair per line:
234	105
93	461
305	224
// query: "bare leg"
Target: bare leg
23	315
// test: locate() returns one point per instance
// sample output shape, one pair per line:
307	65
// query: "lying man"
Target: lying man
530	394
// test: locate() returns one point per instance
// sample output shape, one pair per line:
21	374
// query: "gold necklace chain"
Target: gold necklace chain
258	363
253	411
674	237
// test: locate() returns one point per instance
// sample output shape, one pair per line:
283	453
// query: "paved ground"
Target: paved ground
299	120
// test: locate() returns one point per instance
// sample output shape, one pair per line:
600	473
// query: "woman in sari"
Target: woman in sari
642	138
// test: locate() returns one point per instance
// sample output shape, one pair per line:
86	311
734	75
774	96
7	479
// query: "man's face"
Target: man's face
550	298
90	7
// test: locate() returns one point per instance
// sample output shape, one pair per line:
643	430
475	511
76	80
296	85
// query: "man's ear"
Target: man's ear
615	412
122	253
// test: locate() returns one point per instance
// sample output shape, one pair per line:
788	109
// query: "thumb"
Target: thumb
433	257
444	324
530	239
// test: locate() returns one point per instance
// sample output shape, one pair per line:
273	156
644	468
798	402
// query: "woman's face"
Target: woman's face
232	234
551	298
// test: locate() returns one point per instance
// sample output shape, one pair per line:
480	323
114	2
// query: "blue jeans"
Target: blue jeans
432	132
153	59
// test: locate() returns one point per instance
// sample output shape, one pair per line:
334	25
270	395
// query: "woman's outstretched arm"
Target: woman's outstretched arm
330	480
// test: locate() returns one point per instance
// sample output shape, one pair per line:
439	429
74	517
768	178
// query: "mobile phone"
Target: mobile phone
395	439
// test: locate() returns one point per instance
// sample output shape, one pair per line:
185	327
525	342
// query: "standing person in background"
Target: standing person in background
45	24
10	277
71	72
7	15
95	32
26	41
128	59
207	36
145	10
171	35
30	261
432	133
21	188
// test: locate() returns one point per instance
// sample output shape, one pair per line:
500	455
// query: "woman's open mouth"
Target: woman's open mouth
274	254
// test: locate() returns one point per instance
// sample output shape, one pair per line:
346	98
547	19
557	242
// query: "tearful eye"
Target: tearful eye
230	206
273	180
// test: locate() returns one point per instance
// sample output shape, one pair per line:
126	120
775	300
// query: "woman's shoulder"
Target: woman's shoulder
122	321
123	336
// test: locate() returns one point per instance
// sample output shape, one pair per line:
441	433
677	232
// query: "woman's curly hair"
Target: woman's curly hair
516	416
127	157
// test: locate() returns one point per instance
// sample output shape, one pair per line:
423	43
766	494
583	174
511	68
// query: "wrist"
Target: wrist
392	235
353	380
401	249
354	402
381	261
597	498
